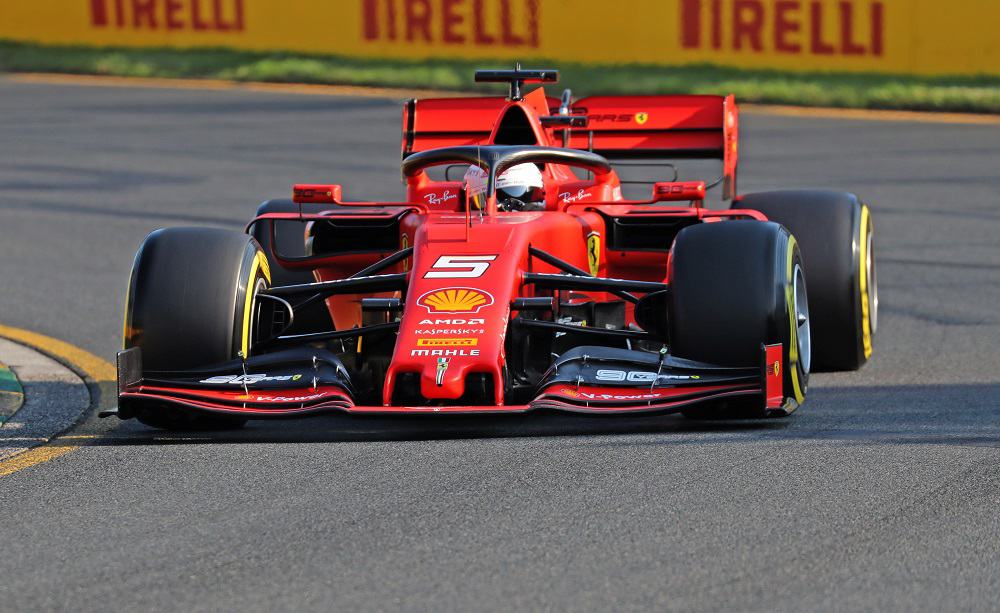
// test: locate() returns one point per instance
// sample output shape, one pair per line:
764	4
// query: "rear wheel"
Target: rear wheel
836	235
192	303
734	286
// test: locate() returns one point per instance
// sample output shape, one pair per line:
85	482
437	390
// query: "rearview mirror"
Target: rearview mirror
316	194
678	191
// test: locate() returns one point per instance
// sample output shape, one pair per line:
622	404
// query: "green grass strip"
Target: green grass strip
865	91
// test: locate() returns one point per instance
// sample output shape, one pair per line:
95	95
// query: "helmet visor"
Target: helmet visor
524	193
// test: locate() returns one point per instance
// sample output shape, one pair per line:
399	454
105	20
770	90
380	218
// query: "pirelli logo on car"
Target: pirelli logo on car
447	342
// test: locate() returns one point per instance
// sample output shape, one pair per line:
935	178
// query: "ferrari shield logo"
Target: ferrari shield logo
641	118
594	253
773	370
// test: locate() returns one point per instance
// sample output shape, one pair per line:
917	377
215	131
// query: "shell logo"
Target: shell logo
455	300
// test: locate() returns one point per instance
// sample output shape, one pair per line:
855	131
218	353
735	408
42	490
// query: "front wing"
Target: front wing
305	382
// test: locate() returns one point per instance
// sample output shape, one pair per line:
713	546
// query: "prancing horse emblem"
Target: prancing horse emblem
594	253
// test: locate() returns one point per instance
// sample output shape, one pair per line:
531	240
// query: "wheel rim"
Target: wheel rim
872	282
801	306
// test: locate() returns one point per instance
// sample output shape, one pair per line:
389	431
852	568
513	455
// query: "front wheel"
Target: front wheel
192	303
734	286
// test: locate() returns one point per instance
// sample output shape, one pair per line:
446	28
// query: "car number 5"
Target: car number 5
460	267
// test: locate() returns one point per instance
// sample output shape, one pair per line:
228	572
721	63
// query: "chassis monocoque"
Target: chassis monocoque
596	304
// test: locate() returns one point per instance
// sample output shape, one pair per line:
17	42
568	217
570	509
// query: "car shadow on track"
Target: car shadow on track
336	428
920	415
343	429
963	415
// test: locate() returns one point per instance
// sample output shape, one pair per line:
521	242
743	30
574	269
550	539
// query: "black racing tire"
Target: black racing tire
734	286
191	304
836	235
290	238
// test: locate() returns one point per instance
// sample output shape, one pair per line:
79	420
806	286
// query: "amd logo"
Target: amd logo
453	322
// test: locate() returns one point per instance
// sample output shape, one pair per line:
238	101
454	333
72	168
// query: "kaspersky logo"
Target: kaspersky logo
455	300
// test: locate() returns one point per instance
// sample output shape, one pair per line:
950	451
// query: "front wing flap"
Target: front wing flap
605	380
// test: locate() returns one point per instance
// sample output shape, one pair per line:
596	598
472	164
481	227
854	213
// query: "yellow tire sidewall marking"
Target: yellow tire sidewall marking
259	264
125	315
793	328
863	283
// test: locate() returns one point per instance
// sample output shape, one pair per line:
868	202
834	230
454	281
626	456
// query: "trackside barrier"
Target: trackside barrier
926	37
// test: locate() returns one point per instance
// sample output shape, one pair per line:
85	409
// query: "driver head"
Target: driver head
519	188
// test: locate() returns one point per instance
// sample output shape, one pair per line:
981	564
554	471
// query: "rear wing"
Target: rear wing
450	122
617	127
661	127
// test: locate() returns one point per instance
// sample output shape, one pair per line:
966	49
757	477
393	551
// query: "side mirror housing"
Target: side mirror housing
679	191
316	194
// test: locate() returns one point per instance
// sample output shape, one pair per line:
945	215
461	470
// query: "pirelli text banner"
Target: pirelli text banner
896	36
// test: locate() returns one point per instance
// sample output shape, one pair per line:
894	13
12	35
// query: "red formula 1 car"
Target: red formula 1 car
526	281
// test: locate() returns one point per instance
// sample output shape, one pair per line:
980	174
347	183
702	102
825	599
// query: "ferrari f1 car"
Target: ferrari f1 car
528	282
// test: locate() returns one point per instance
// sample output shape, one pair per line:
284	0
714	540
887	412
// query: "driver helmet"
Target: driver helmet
519	188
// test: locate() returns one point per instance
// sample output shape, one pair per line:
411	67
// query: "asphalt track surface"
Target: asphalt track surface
883	492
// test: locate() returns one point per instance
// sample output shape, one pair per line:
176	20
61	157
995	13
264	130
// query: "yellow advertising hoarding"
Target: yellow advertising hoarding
896	36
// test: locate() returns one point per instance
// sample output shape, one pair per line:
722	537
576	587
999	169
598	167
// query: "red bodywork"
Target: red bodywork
467	269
